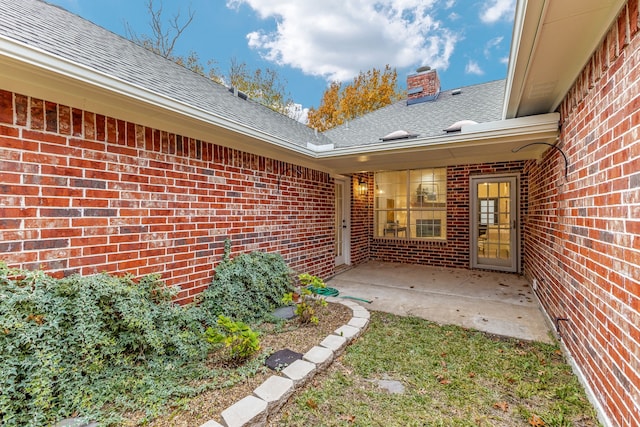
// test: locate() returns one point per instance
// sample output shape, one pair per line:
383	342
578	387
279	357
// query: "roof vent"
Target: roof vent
456	92
457	126
237	93
399	134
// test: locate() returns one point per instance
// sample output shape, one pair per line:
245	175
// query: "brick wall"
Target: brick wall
361	219
583	234
84	193
455	251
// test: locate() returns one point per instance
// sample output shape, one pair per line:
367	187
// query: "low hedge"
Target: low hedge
99	346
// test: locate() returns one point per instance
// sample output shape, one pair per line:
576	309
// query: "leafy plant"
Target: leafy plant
305	299
248	287
67	345
309	280
242	341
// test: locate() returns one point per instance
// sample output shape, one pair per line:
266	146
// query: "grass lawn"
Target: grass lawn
451	376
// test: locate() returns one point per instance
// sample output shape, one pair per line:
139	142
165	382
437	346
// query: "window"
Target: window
411	204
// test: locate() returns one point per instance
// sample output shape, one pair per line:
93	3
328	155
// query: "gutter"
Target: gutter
475	134
44	60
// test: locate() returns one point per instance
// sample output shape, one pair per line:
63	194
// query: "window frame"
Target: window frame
423	210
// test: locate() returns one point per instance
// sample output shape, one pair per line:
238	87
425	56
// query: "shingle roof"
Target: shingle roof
59	32
68	36
480	103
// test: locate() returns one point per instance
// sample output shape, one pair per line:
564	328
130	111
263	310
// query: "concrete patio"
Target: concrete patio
498	303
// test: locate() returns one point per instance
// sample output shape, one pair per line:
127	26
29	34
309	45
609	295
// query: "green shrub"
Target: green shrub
248	287
241	340
65	342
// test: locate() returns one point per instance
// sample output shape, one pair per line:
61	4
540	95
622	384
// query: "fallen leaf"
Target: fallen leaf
472	374
348	418
501	405
536	421
312	404
445	382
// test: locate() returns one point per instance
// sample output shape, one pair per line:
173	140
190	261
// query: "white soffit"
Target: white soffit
552	42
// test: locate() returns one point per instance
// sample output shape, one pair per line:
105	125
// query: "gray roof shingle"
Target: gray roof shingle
480	103
59	32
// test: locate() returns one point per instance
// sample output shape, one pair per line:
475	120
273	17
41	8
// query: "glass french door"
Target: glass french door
342	245
494	223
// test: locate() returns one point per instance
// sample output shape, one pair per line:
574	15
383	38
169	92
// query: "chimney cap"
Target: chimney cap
423	68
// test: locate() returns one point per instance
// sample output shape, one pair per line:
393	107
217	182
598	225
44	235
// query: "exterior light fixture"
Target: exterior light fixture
363	186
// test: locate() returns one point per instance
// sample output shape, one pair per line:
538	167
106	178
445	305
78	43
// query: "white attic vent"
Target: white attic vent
399	134
457	126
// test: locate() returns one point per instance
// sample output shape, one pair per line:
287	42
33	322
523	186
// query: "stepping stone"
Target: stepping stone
281	359
392	386
75	422
286	312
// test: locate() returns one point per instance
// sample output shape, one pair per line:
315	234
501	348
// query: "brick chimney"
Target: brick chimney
422	86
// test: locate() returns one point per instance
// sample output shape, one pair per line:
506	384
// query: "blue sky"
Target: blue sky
311	42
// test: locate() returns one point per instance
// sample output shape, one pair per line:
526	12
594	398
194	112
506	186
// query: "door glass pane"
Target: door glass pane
494	220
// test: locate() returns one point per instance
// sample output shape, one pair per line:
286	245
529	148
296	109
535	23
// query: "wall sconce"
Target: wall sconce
363	187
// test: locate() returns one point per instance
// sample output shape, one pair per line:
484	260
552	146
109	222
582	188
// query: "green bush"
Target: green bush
101	346
238	337
248	287
64	342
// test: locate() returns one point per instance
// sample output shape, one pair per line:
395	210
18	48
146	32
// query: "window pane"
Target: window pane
411	204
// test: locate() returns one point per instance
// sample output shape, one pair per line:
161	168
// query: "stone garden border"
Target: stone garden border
271	395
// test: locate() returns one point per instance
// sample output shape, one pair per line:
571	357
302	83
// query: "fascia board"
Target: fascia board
528	21
544	124
44	60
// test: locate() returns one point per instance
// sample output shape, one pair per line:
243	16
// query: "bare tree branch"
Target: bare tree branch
162	41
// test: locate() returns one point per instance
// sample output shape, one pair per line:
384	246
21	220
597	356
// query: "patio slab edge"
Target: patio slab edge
255	410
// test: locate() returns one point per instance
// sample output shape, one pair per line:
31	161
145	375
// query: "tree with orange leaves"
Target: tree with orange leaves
367	92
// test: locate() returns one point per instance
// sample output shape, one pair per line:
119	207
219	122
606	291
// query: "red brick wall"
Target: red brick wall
361	219
454	252
427	80
583	235
84	193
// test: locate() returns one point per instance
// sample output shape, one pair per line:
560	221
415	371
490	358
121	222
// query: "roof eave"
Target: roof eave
545	34
37	73
479	143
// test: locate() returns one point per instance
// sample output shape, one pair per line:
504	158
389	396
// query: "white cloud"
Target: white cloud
504	60
492	44
337	39
495	10
473	68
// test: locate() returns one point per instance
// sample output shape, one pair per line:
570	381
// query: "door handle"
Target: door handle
514	224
